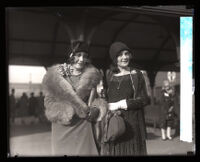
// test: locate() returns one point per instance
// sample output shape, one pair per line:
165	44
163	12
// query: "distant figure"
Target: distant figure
40	108
32	105
12	105
167	115
22	110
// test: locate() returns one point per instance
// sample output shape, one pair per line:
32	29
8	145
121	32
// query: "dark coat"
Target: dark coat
133	142
167	101
23	106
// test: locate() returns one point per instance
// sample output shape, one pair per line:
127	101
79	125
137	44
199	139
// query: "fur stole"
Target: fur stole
61	100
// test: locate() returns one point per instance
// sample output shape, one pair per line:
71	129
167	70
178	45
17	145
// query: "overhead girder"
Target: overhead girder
84	28
80	26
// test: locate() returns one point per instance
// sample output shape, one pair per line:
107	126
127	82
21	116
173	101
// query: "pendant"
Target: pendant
119	83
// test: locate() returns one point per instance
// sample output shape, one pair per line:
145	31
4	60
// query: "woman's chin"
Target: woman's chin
79	67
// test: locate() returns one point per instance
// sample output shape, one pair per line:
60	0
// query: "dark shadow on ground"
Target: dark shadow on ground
152	136
19	130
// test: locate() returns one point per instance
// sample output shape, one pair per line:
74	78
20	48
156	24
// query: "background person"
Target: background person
40	108
32	105
12	105
22	107
167	115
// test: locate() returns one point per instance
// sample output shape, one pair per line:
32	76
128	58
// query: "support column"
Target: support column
152	75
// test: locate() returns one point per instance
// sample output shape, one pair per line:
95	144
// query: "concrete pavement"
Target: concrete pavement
35	140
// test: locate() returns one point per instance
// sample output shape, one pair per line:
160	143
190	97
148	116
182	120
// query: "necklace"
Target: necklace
119	82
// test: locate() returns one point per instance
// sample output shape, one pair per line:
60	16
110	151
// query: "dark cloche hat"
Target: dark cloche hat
80	46
116	48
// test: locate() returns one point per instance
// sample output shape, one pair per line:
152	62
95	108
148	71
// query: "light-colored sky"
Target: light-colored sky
23	74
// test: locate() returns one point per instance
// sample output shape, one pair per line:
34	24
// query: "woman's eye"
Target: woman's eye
78	55
120	55
127	54
81	55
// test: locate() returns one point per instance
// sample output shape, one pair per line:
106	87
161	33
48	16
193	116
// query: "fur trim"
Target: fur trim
61	112
61	101
89	79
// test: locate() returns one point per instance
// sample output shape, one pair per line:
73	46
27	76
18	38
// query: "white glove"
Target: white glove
113	106
118	105
123	104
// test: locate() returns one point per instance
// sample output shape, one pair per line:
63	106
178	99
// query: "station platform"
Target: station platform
35	141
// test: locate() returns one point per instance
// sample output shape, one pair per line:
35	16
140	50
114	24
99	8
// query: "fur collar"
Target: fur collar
57	86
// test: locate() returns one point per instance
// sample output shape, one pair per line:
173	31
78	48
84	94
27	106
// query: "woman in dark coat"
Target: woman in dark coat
127	94
167	114
67	93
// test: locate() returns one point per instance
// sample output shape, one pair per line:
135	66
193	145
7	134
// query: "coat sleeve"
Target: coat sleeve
61	102
58	112
142	98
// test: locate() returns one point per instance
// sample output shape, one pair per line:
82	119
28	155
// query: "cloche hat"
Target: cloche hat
116	48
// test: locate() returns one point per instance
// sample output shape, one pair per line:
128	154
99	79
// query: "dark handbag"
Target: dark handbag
114	126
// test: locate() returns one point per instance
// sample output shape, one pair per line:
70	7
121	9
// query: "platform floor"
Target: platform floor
35	140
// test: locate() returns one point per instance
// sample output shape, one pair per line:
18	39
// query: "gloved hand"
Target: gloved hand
118	105
113	106
123	104
93	114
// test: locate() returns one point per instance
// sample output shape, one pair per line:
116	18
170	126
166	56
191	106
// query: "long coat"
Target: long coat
65	107
23	104
167	101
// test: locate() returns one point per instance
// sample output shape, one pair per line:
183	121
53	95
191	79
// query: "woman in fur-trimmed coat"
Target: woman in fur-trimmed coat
68	90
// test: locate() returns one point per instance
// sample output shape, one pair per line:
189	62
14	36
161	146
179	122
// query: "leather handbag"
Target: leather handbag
114	126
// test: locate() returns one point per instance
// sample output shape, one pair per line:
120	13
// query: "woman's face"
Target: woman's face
80	59
166	85
123	58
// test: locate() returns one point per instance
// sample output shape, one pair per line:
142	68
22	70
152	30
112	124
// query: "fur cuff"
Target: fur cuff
59	112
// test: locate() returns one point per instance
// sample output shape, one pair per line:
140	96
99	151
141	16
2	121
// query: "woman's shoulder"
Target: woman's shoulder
91	68
135	70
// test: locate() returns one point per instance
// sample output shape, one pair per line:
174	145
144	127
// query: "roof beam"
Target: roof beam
155	57
55	33
92	44
123	26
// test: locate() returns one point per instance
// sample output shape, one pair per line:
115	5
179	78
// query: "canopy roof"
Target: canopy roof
40	36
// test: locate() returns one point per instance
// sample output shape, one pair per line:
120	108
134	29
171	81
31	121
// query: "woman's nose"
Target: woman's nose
81	58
